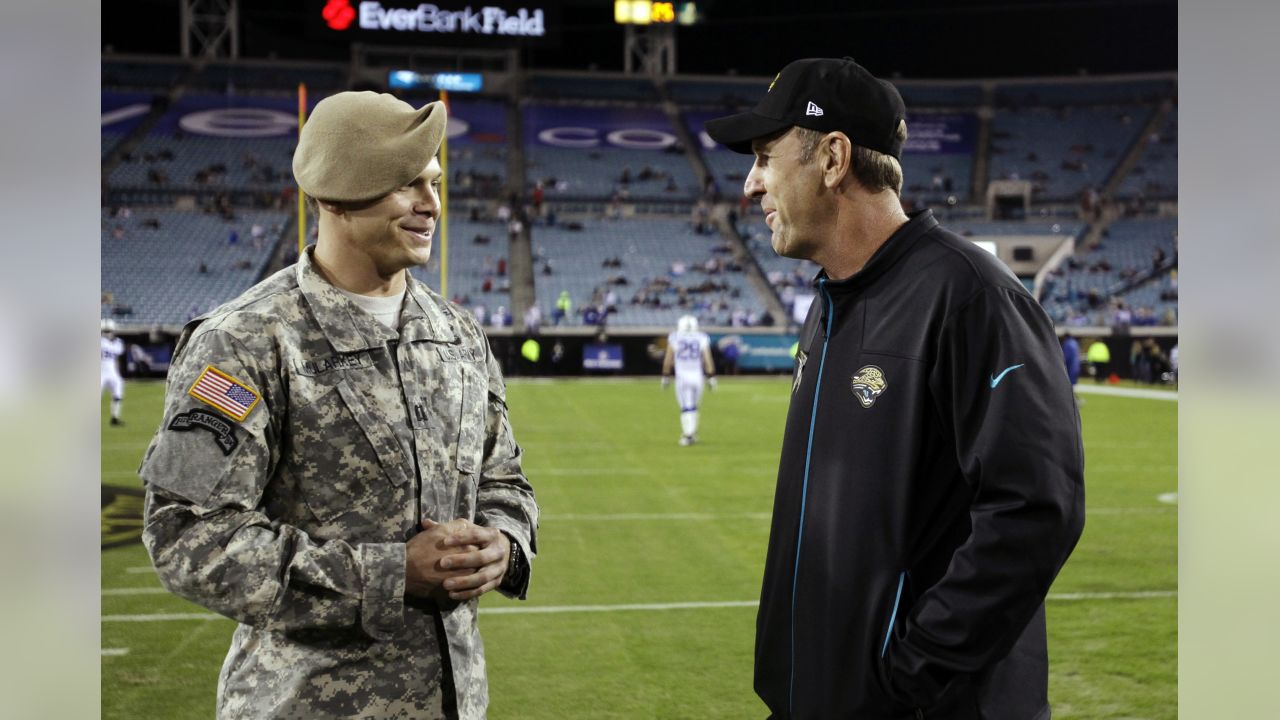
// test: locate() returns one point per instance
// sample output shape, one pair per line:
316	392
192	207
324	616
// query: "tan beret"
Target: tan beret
362	145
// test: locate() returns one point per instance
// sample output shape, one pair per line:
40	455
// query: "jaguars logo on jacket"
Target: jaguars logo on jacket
868	384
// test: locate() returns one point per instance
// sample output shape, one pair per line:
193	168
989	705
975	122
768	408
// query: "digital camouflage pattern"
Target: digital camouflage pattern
299	532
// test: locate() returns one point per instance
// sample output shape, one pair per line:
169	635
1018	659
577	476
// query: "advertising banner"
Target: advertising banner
584	128
602	356
122	111
757	352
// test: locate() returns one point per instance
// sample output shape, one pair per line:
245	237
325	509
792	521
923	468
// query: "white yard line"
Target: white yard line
623	517
608	517
135	591
560	609
518	610
140	570
114	652
1142	595
597	472
1127	392
1131	511
158	617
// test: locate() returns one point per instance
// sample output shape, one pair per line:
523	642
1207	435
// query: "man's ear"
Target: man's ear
836	154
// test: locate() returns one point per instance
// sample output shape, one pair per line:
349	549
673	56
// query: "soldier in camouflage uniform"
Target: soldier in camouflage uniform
345	485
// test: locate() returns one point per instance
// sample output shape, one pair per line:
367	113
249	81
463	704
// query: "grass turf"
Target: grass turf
631	518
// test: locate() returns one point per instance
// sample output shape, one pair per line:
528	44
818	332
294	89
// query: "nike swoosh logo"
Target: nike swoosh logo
995	379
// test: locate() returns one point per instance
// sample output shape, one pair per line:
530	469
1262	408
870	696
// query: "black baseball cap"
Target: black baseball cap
823	94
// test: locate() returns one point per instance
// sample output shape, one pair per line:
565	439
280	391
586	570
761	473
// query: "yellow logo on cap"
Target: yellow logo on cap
775	82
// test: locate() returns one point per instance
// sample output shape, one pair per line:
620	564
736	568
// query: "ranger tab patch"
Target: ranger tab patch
225	393
223	432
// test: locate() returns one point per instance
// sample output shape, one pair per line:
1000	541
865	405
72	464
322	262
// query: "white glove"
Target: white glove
665	382
711	382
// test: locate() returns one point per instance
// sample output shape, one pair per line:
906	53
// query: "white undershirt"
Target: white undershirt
385	310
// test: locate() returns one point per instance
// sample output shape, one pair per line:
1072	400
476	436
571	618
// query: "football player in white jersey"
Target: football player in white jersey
689	355
112	349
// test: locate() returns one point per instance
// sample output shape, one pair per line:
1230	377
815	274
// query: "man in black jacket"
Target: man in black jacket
931	479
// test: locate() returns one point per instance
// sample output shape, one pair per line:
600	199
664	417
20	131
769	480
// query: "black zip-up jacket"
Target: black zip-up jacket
931	486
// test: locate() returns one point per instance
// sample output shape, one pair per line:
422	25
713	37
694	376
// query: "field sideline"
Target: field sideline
642	603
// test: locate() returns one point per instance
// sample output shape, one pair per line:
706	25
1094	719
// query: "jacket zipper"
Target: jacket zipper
902	576
804	488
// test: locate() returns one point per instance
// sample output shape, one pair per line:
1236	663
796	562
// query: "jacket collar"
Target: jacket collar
350	329
893	249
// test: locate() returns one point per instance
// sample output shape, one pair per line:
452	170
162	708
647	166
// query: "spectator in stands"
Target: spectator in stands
932	604
563	308
1071	357
1123	317
276	500
701	218
1099	357
533	319
501	318
614	209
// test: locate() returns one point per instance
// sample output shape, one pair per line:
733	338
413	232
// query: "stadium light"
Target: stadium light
647	12
632	12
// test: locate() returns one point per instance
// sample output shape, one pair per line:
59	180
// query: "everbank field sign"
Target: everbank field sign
487	20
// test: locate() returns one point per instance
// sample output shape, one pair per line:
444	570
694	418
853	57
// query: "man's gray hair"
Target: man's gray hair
875	171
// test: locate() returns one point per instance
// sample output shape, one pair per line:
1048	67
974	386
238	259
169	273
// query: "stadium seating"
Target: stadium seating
277	79
1063	151
1064	136
1155	176
1094	92
651	251
153	275
159	76
578	86
717	94
471	263
1081	292
596	173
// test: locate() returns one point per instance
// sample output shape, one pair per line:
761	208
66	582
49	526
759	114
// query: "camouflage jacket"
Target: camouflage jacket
301	443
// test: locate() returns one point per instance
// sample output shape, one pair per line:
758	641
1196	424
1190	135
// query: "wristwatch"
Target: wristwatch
516	566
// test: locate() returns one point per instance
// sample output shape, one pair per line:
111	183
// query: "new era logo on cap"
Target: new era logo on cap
813	110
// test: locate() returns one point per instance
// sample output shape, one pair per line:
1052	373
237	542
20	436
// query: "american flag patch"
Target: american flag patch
224	392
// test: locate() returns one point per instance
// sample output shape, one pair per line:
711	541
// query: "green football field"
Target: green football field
642	603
